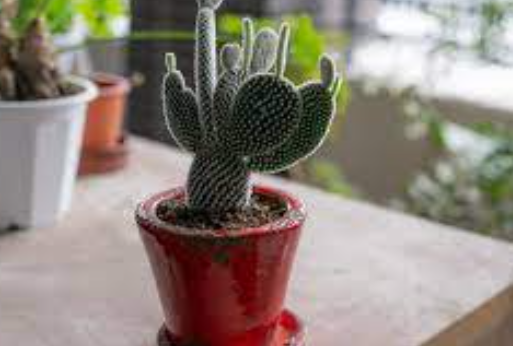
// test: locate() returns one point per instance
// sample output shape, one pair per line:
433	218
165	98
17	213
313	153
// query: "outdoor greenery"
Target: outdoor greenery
97	15
471	186
480	31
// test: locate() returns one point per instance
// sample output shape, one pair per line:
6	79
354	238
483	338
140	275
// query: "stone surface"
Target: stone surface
365	276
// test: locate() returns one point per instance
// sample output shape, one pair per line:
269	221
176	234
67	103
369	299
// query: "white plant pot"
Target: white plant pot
39	151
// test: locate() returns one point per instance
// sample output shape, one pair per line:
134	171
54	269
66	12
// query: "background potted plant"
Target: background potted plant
41	121
74	25
104	147
221	249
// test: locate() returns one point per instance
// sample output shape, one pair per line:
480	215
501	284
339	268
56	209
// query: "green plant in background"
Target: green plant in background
326	175
247	118
97	15
471	186
481	33
493	17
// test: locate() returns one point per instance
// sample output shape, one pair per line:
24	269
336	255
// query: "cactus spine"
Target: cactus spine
248	116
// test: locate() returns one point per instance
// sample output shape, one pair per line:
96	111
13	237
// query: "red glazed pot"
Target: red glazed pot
222	288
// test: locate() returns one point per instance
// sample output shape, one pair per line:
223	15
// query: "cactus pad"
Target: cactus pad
318	111
230	57
265	113
225	93
264	51
181	112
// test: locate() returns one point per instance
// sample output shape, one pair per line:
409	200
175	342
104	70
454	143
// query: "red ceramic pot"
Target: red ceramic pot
222	288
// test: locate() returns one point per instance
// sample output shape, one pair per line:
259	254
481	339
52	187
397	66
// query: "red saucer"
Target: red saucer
291	332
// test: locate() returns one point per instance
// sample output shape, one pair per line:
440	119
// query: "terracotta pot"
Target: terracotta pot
104	125
103	146
222	288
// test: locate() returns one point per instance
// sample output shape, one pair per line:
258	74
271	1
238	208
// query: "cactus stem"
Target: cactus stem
328	73
248	38
170	62
283	48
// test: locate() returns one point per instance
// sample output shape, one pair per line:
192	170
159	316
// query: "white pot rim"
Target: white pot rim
88	93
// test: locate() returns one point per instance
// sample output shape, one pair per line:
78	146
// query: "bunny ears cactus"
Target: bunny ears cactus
248	117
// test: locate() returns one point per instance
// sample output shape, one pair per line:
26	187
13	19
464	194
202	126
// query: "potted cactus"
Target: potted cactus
41	117
221	249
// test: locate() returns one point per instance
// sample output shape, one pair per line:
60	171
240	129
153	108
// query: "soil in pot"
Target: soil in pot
262	209
104	146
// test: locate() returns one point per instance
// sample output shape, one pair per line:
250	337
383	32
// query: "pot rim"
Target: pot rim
89	92
110	84
294	218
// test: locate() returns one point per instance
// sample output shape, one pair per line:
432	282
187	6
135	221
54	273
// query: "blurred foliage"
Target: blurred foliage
424	119
97	15
308	43
474	192
328	176
471	185
493	17
481	32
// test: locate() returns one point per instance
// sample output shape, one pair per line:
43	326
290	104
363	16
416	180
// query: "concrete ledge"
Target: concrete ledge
365	276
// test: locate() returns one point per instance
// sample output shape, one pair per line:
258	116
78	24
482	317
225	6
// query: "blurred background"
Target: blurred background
426	120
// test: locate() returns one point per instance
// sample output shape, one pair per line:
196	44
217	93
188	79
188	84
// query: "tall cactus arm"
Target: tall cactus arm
206	63
228	84
318	100
328	72
283	50
180	108
264	51
265	112
248	36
